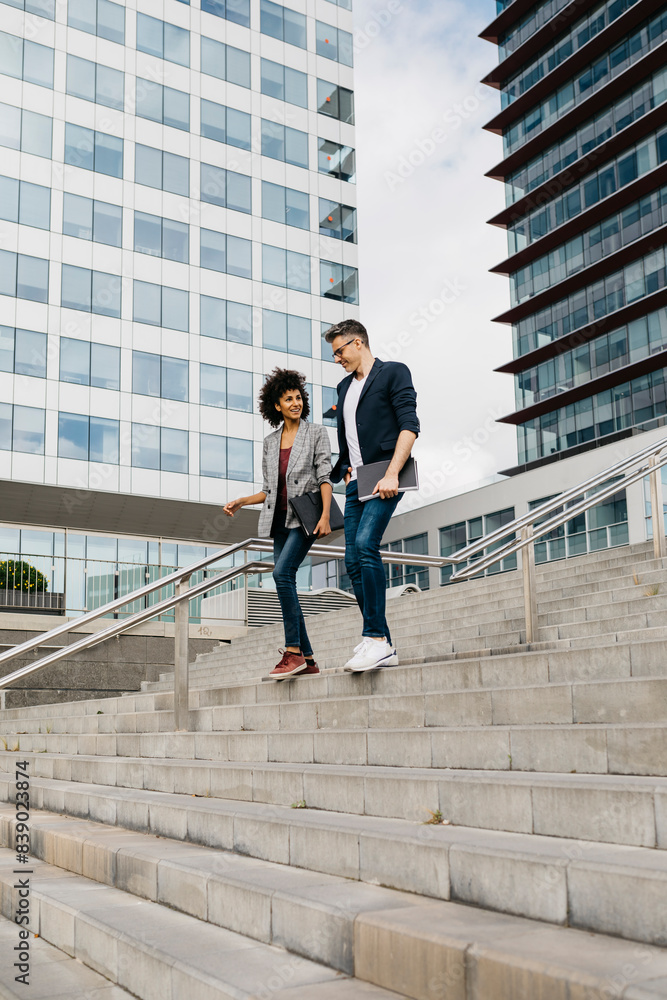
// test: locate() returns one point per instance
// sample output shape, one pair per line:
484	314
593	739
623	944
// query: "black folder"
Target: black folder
369	475
308	510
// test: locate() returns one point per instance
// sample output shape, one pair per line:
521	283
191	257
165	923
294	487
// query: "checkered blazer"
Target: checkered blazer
309	466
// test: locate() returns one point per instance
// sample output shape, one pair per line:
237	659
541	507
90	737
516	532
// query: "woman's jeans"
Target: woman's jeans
365	524
290	547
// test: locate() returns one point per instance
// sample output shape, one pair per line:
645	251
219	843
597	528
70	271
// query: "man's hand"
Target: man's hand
231	508
387	487
322	528
348	475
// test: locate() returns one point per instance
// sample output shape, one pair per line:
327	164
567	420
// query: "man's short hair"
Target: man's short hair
348	328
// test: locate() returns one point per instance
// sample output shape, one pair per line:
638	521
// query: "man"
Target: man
377	420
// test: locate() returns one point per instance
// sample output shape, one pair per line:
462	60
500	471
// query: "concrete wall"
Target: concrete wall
111	668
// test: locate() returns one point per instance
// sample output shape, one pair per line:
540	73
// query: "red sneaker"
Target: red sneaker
311	669
290	664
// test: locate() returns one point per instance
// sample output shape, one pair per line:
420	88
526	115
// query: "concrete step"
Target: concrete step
626	700
606	809
606	888
419	949
639	748
154	951
52	974
320	917
642	659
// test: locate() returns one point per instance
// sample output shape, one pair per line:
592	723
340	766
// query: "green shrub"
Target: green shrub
20	575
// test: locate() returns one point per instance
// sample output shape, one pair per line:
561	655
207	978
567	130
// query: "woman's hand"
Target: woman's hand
231	508
322	527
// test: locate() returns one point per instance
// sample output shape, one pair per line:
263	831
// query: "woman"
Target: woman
296	459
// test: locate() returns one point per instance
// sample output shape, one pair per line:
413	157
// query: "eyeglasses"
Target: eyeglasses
337	353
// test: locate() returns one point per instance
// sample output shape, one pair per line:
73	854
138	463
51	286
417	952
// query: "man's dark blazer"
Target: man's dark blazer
387	406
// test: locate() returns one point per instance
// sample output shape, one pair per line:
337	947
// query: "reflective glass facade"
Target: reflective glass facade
150	280
586	218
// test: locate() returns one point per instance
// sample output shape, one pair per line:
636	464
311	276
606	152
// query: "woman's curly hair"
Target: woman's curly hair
280	381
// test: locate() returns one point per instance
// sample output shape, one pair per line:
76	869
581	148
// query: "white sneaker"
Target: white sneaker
372	654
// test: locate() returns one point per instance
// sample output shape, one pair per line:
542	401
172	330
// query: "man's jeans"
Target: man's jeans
365	524
290	547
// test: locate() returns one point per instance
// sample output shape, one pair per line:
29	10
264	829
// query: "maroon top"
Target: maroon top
281	503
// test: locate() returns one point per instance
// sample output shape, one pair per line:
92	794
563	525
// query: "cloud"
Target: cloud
424	245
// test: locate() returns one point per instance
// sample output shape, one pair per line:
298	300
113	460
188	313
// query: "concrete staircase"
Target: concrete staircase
487	821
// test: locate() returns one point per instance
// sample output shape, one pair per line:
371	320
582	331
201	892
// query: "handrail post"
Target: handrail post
657	516
529	592
181	660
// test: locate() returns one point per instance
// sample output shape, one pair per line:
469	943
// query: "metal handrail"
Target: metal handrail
521	522
180	601
650	462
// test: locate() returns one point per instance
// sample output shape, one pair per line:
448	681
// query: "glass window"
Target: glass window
274	329
92	220
159	169
35	133
225	188
284	83
329	404
6	349
175	309
29	353
108	155
336	102
225	62
163	39
213	456
213	250
104	438
213	121
239	460
239	390
213	385
145	373
163	104
175	240
286	268
74	361
334	43
105	366
147	303
99	17
173	450
32	278
10	127
225	320
285	205
93	82
9	199
73	436
338	221
281	142
174	379
336	160
106	294
145	446
283	23
338	281
28	430
29	204
148	234
233	10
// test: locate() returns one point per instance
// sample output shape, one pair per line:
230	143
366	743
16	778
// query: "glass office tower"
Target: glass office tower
177	206
583	90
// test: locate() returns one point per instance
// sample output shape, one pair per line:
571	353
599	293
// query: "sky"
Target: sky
425	249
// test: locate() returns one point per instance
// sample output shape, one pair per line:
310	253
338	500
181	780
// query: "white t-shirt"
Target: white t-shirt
350	420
